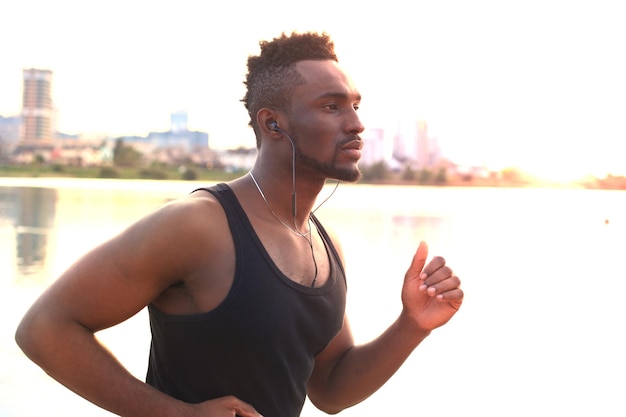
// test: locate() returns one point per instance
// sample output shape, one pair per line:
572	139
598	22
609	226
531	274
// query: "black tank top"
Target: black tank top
260	343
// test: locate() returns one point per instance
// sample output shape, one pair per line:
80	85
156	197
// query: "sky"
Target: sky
537	85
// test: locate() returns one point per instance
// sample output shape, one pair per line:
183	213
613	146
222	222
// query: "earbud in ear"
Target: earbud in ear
274	126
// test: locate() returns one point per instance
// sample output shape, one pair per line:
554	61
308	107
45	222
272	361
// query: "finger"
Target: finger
448	284
239	407
434	265
456	296
418	262
246	410
439	275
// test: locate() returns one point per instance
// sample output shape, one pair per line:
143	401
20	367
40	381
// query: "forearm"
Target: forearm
73	356
365	368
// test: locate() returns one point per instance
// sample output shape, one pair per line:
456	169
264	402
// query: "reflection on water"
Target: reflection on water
50	227
31	211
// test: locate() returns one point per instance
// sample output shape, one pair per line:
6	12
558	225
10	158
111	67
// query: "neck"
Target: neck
299	230
291	202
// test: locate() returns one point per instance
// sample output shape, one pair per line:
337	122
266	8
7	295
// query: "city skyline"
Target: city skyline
538	85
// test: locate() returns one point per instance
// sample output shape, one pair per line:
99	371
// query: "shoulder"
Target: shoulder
182	215
178	234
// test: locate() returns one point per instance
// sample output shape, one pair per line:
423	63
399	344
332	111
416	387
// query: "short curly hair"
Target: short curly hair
272	75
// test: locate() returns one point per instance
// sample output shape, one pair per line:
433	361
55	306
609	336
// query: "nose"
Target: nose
354	124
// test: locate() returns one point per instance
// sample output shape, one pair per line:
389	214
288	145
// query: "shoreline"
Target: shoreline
100	183
177	184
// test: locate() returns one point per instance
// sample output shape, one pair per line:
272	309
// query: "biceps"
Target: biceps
102	289
328	360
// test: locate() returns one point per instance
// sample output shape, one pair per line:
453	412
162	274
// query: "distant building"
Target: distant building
415	147
241	159
179	136
178	145
178	121
9	133
405	143
423	146
37	110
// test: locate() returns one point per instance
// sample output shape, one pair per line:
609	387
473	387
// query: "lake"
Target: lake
541	331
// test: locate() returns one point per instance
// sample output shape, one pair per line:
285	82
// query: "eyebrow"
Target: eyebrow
341	95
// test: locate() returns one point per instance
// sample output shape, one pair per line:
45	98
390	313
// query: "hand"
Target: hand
431	294
226	407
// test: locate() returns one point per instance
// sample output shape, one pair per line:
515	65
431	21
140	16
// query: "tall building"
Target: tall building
37	109
423	146
415	147
178	122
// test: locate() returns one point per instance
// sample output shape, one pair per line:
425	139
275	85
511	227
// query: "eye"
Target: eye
356	106
332	106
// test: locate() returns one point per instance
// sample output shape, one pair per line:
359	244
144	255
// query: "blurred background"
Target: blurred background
533	85
494	132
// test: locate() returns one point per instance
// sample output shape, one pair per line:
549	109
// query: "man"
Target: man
245	288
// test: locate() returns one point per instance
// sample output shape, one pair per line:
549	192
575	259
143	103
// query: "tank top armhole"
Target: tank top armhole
330	245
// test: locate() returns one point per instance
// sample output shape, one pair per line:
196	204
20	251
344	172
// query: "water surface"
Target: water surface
541	331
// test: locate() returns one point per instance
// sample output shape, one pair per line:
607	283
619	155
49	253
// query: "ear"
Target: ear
264	119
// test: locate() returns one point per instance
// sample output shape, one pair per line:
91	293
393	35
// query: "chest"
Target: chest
303	259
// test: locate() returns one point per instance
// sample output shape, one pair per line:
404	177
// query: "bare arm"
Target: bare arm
345	374
108	285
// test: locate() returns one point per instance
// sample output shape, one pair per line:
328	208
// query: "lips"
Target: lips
352	149
356	144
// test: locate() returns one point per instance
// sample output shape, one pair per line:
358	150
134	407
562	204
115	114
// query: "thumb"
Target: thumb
418	262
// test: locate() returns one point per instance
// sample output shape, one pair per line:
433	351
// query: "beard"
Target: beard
328	169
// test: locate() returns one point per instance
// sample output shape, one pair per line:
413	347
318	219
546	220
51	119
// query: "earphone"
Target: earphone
274	126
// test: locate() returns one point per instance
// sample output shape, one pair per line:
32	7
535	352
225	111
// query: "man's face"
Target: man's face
324	123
